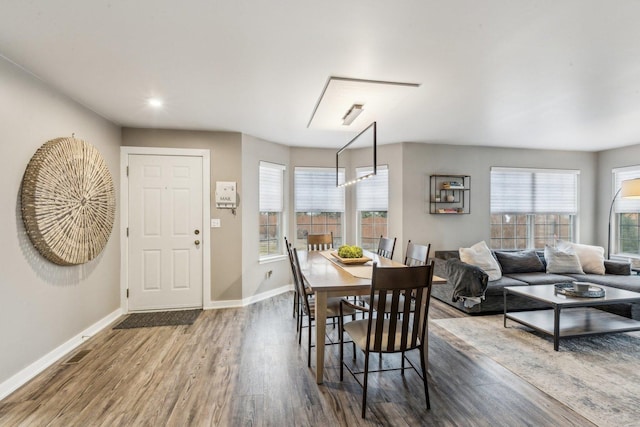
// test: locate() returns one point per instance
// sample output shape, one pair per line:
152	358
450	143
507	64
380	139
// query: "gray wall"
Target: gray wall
226	165
454	231
255	277
43	305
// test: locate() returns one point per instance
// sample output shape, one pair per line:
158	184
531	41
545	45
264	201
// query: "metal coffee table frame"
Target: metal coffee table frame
579	315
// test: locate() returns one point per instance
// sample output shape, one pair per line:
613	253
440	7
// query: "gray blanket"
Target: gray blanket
468	280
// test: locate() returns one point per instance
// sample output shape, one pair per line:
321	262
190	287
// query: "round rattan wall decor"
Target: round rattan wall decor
68	201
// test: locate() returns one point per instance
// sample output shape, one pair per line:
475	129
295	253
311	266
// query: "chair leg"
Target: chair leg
424	376
341	332
366	380
402	371
299	328
309	345
295	302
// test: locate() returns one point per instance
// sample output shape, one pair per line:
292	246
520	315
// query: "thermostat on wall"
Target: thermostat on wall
225	194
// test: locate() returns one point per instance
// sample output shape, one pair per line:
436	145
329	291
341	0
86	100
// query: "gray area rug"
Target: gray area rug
159	318
597	376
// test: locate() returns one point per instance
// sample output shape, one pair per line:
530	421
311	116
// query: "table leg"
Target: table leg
504	305
556	327
321	325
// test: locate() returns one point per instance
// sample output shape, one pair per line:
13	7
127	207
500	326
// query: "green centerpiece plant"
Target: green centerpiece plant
348	251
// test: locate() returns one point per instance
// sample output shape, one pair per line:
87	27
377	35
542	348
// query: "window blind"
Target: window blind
315	190
623	205
516	190
271	187
372	194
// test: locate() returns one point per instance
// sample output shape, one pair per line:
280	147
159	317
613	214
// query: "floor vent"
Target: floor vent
77	357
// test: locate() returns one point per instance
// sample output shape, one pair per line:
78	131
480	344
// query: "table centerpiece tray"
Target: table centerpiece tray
569	290
361	260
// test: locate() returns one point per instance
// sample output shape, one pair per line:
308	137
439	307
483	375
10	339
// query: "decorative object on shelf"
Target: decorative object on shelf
580	289
630	190
450	194
68	201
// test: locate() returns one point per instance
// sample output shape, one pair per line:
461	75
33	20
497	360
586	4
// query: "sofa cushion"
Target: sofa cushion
519	262
445	255
496	287
630	283
591	257
561	262
480	255
622	268
541	278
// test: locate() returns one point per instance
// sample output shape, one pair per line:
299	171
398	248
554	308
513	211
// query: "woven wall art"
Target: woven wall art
68	201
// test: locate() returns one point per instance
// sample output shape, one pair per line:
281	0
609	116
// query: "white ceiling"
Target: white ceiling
558	74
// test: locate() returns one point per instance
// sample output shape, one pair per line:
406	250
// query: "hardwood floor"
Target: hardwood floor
237	367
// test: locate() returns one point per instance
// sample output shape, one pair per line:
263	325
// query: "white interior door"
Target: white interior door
165	232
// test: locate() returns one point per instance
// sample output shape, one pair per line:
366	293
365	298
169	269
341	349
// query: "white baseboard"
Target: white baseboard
250	300
22	377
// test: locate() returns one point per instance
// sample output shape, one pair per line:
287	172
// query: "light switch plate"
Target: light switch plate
215	222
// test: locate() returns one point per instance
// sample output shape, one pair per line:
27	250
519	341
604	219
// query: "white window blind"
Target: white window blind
315	190
515	190
623	205
372	194
271	187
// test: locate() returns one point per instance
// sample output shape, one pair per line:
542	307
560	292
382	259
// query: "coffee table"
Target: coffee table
579	315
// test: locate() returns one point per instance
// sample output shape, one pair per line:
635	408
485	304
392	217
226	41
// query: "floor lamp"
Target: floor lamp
630	189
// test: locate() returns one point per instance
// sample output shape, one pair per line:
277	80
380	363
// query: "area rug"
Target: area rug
597	376
159	318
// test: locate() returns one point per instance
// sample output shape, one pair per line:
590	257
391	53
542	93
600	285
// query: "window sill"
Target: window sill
272	258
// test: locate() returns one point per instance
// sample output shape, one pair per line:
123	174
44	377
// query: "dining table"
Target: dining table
328	277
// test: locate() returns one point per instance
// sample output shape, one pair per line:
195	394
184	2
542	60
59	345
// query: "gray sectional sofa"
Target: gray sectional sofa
461	277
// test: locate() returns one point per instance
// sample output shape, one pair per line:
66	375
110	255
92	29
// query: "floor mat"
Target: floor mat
159	318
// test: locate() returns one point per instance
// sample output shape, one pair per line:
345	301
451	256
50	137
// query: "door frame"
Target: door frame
125	152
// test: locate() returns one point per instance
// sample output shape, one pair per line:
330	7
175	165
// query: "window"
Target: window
372	205
626	231
532	207
271	208
319	204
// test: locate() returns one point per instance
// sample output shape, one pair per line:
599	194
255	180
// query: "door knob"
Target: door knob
196	232
197	242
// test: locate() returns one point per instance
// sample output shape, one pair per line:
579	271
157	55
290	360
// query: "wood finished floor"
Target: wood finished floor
243	367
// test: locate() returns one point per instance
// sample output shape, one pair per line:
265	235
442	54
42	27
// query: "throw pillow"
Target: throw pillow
591	257
560	262
480	256
519	262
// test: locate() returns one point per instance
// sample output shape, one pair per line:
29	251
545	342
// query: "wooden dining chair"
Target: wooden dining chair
386	246
319	242
404	330
308	308
416	254
296	299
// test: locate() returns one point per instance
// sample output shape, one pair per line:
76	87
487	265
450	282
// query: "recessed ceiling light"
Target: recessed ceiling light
352	114
155	102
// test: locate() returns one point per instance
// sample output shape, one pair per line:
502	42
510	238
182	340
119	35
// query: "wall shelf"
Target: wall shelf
449	194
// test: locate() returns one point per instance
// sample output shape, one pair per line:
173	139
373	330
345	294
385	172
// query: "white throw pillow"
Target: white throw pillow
480	256
591	257
562	262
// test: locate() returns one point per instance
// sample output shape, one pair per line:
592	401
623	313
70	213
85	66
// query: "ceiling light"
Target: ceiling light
352	114
155	102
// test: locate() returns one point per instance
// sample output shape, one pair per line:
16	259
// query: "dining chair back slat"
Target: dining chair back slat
416	254
319	242
386	246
